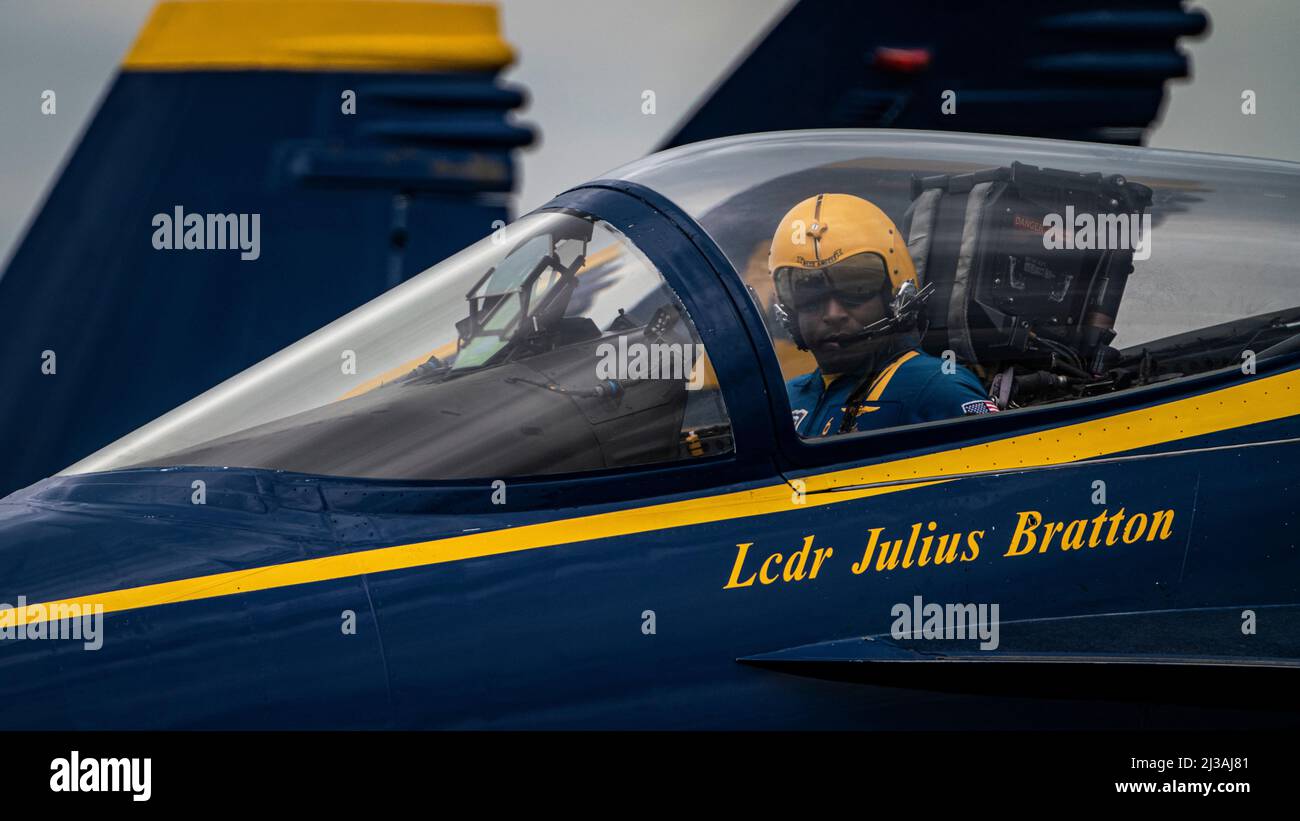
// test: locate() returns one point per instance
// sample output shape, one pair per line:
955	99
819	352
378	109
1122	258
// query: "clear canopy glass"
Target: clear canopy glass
1225	229
500	361
493	363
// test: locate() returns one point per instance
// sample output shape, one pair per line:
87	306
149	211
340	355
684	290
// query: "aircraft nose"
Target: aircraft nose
94	632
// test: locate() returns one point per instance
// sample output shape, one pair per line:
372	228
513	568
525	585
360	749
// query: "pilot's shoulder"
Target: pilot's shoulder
916	368
923	376
802	383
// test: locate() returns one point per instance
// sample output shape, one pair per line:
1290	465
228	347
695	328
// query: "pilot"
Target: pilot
846	290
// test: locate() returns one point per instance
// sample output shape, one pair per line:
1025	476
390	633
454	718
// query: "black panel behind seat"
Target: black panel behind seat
1002	298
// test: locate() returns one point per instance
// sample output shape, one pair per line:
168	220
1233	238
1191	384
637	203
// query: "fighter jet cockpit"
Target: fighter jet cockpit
843	282
1032	271
552	346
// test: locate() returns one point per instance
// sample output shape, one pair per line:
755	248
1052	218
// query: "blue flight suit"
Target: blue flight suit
912	388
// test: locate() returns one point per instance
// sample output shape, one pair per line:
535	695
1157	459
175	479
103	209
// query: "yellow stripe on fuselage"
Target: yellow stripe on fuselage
1260	400
737	505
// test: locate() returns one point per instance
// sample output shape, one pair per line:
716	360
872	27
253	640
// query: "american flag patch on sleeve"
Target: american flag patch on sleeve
980	406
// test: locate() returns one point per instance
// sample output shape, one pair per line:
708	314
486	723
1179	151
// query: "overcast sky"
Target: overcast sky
588	112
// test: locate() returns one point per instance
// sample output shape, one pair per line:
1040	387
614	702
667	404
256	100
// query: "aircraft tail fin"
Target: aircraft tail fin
255	170
1068	69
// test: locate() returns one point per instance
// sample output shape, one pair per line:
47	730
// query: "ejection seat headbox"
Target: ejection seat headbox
1012	286
1008	290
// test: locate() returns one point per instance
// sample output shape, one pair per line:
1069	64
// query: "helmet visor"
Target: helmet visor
852	281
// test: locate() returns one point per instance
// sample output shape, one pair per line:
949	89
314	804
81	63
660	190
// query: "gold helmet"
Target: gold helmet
843	244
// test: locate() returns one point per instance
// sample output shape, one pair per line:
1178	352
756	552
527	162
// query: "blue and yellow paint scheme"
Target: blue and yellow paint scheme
372	139
768	573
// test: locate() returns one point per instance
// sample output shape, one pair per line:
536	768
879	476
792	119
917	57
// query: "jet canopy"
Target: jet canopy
1055	271
502	361
1107	266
